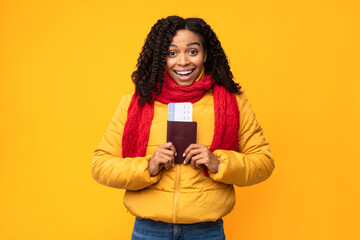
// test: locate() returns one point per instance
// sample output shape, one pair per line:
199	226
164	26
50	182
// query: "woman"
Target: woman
182	61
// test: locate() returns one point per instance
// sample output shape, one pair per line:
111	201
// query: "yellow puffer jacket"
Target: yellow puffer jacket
183	194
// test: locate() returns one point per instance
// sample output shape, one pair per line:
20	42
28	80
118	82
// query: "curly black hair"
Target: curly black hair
149	75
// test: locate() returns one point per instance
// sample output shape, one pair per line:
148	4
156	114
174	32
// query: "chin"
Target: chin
186	84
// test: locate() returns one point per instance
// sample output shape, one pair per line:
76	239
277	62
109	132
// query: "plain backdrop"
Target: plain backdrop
64	66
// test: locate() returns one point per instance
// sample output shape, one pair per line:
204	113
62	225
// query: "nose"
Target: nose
183	60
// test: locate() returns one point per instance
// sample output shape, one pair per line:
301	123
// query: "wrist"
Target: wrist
218	169
215	167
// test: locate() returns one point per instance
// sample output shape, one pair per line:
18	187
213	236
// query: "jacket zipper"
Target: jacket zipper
176	196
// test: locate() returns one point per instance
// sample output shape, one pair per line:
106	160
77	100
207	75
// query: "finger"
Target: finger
170	160
195	160
171	147
166	157
198	156
160	150
202	157
191	147
188	157
167	165
161	166
165	161
155	169
168	145
161	158
170	155
193	163
166	152
192	153
196	163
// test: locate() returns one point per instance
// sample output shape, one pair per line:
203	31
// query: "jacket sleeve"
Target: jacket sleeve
109	167
254	162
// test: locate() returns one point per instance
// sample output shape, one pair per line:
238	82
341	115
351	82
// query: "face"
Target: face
185	58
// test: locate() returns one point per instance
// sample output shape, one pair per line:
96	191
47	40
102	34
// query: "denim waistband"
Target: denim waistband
150	229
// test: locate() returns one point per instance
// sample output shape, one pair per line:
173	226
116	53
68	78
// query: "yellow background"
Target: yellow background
65	64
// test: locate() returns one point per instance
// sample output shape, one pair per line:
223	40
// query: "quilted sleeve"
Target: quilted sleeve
254	162
109	167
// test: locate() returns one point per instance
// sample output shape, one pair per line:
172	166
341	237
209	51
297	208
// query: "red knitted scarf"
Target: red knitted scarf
139	118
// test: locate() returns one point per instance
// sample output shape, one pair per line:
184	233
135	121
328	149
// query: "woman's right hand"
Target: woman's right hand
163	157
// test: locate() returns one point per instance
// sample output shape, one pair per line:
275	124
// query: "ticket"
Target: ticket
180	112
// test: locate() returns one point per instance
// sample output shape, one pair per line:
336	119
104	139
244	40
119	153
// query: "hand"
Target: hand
201	155
163	157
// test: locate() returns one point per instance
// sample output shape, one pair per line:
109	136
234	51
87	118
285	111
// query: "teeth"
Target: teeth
184	72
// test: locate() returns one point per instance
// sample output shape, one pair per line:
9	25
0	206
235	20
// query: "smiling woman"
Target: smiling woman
186	57
182	61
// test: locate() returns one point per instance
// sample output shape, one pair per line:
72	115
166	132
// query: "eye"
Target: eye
171	54
193	52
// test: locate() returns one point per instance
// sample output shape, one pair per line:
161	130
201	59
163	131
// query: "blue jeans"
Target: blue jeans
147	229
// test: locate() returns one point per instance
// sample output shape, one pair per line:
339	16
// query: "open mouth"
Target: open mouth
184	73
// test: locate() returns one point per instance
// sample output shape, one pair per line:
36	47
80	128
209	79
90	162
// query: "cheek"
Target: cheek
169	66
169	63
199	61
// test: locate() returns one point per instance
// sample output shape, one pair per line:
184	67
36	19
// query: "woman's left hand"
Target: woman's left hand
200	155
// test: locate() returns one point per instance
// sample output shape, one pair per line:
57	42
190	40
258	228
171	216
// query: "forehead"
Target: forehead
184	37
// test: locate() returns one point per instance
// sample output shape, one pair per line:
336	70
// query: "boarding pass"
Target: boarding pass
180	112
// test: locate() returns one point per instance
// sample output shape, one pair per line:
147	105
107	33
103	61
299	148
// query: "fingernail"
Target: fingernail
184	155
175	154
184	162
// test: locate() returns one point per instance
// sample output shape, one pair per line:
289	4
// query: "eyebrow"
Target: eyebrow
189	44
193	43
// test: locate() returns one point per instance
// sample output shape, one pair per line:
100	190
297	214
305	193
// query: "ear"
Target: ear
205	55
